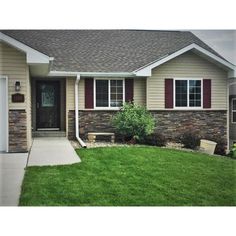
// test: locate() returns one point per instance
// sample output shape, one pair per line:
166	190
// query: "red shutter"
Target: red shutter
129	90
89	93
206	93
169	93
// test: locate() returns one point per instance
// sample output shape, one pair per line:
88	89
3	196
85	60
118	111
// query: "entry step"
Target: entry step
49	134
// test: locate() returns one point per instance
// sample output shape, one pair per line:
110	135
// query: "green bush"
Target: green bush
232	152
133	121
190	139
156	139
220	147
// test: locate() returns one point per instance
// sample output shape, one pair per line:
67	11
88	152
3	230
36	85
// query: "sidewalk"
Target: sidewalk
52	151
12	169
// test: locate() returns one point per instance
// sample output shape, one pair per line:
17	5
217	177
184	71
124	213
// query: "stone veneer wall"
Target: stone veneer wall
90	121
71	125
17	131
209	124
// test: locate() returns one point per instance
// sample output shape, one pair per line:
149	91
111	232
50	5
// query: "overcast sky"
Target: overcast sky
223	41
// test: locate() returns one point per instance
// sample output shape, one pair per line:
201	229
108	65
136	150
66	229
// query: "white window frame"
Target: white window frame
7	114
232	111
109	93
188	107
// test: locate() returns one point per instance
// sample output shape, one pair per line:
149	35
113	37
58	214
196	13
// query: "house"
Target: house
232	111
71	82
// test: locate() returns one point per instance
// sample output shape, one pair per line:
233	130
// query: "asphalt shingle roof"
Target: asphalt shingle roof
105	50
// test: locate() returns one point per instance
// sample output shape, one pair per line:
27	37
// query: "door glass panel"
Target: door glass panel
47	96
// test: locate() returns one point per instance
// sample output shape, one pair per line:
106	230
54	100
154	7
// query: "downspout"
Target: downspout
228	114
77	112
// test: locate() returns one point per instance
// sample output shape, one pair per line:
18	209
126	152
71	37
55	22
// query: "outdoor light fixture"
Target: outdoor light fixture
17	86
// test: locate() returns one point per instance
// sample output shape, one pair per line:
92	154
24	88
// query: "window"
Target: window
188	93
116	87
234	110
109	93
181	93
102	93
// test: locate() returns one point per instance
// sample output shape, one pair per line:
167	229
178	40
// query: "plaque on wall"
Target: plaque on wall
17	97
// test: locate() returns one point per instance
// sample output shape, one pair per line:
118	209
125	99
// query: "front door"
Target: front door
48	105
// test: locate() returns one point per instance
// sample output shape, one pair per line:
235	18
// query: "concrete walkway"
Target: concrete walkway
52	151
12	171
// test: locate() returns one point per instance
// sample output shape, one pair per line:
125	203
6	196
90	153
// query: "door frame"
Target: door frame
37	82
7	112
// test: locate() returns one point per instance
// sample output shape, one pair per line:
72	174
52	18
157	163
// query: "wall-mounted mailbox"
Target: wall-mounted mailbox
17	97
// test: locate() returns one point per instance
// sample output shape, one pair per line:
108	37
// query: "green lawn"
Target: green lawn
133	176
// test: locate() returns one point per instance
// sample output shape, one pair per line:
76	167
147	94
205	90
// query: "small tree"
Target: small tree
134	121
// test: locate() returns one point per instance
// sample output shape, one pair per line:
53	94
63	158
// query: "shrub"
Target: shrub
133	121
221	146
155	140
190	140
232	152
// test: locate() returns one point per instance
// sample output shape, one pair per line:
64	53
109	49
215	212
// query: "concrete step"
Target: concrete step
49	134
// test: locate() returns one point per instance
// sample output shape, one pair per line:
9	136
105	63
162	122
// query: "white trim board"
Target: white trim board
6	117
32	56
147	69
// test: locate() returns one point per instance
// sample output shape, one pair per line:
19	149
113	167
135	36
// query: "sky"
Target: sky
222	41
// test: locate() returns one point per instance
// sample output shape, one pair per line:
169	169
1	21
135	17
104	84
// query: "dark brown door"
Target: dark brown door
48	105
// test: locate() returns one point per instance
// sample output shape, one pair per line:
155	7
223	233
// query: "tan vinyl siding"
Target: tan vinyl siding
70	94
13	65
81	94
188	65
140	91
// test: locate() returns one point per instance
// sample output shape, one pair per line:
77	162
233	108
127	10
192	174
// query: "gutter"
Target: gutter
91	74
77	113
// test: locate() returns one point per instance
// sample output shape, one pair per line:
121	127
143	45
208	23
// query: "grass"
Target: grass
133	176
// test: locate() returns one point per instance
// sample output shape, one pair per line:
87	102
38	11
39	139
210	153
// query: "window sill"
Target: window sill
188	108
107	108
